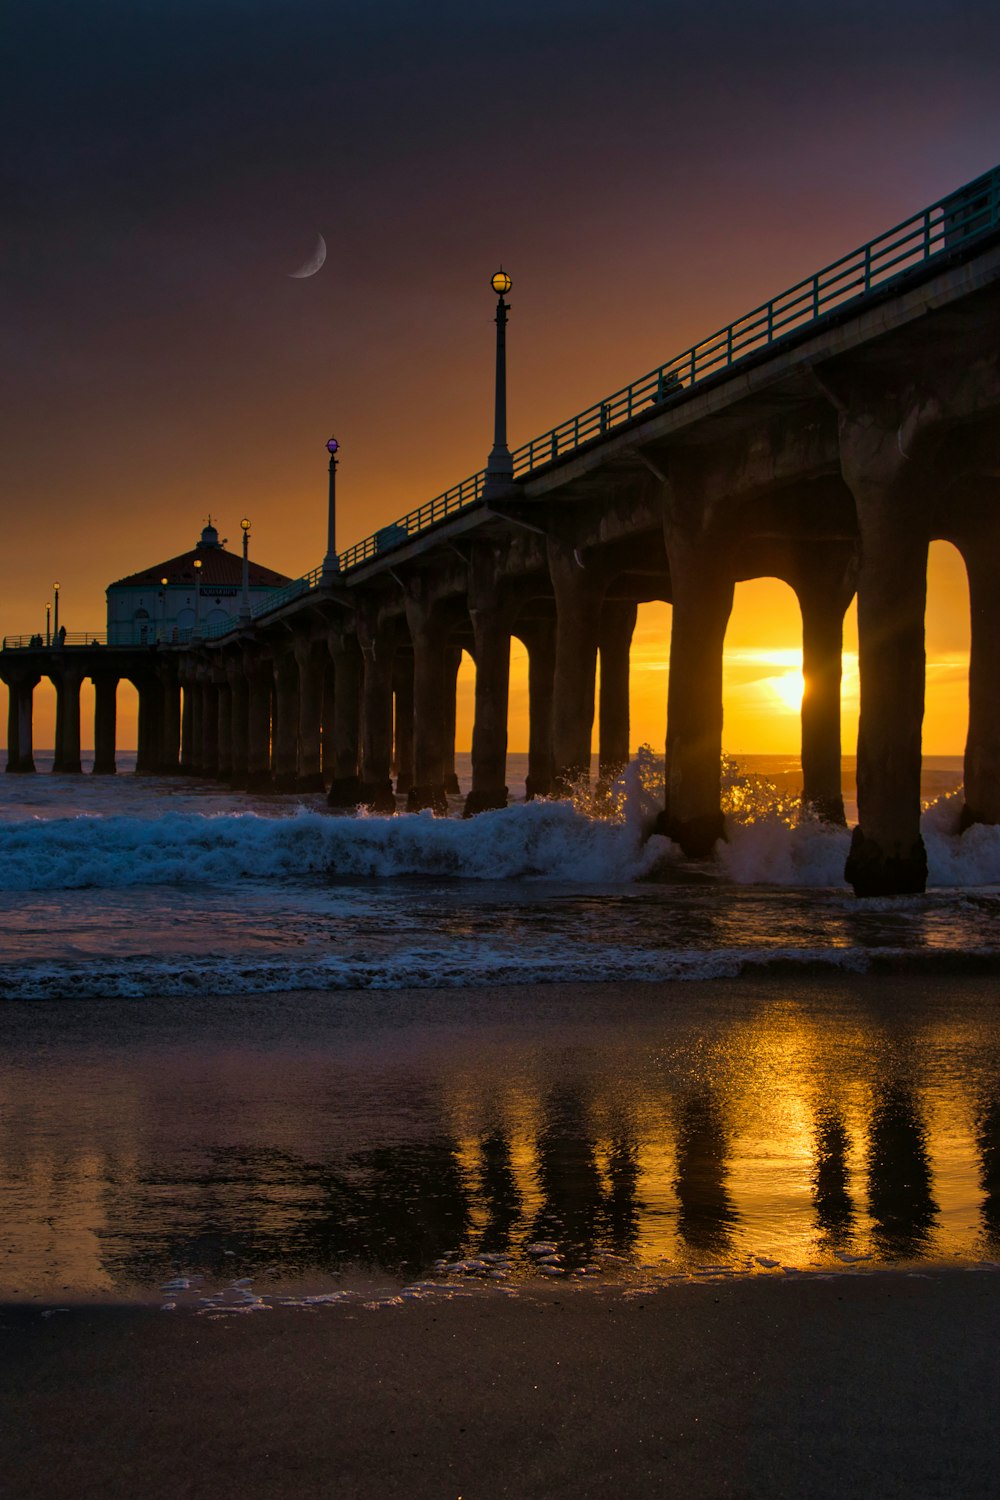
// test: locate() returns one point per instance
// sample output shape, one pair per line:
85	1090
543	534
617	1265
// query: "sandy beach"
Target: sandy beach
845	1126
874	1384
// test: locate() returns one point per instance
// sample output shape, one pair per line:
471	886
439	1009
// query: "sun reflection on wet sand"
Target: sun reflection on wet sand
745	1126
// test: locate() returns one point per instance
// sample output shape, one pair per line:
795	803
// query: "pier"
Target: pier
825	439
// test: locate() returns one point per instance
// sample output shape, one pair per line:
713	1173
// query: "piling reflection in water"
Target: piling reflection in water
715	1126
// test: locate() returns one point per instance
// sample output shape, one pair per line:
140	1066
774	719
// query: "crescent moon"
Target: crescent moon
314	262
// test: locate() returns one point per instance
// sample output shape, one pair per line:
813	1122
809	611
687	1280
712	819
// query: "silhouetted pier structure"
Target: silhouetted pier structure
826	438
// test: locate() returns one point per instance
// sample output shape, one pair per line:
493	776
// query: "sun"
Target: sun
788	689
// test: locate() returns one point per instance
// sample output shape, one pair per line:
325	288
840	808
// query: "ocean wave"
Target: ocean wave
544	840
456	966
549	840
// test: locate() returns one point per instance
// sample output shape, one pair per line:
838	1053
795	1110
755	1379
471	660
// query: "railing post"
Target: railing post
868	268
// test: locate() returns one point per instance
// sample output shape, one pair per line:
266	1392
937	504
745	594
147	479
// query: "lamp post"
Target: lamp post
55	624
48	623
163	609
331	562
245	596
196	632
500	466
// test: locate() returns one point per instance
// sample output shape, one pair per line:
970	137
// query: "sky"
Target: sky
645	171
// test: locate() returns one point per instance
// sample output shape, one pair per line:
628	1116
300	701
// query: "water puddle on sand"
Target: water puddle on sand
443	1141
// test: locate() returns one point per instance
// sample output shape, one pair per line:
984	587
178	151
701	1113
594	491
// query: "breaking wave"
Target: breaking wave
585	841
541	840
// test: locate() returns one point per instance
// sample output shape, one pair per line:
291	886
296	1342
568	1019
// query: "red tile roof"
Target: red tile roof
220	567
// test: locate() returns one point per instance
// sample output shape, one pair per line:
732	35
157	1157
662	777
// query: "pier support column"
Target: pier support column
170	724
887	855
311	658
618	618
539	640
327	713
197	691
105	724
492	618
26	724
13	726
342	723
67	757
238	721
702	591
224	696
429	636
286	721
824	586
402	724
492	631
975	531
579	594
452	666
20	728
259	672
209	724
378	648
187	721
148	729
982	748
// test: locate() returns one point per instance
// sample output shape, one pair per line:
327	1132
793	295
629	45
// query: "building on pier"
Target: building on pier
200	588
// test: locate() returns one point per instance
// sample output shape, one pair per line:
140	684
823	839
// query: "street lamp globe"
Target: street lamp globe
245	525
332	446
501	282
56	586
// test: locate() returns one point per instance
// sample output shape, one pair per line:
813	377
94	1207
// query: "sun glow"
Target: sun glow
787	689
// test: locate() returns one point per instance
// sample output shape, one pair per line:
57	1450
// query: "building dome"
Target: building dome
209	536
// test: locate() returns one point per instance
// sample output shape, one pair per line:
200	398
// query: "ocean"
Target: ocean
254	1050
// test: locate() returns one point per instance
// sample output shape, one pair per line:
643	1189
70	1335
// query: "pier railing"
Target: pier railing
947	225
950	222
38	641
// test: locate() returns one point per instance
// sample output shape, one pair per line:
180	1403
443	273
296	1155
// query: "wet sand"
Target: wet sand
879	1384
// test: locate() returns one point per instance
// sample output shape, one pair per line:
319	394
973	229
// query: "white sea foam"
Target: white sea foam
771	852
540	839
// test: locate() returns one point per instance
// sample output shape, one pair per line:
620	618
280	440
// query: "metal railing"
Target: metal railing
949	223
38	642
966	213
441	508
970	211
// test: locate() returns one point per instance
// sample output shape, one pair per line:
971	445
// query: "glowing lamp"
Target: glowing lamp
501	282
56	586
245	523
164	581
198	564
